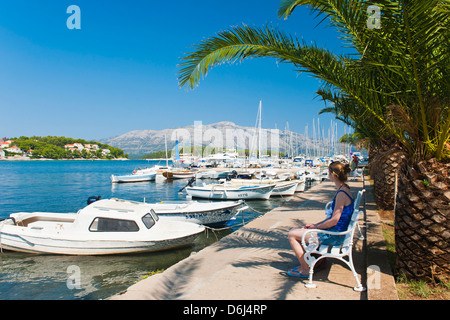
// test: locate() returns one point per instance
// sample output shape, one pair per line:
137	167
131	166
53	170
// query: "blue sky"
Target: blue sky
119	71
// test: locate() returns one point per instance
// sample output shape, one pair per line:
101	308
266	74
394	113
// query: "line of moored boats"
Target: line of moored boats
115	226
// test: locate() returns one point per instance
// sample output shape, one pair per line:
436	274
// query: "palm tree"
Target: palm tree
395	88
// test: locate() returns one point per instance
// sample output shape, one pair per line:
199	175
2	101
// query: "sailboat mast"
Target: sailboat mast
259	129
165	144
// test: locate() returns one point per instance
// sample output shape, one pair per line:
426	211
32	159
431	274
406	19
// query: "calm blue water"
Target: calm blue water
64	186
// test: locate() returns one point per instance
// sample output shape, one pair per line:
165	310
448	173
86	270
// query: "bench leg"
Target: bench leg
310	284
359	286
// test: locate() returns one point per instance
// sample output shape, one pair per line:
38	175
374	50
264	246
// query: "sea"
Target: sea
64	187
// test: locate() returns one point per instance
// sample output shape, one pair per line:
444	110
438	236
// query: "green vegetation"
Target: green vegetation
158	155
54	148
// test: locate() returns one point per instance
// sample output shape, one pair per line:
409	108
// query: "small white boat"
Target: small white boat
205	213
301	186
136	177
212	174
286	188
178	174
103	227
282	187
219	175
231	192
309	175
154	169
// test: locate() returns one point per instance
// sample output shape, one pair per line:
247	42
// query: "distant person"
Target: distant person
338	219
354	165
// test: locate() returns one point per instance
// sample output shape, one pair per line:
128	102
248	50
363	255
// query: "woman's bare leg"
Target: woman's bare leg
295	239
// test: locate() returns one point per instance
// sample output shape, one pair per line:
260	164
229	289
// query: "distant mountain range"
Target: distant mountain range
223	134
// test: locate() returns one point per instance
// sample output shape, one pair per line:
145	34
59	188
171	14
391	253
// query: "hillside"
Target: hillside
222	134
65	148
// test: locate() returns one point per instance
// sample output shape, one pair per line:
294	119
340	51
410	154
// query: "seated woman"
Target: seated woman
338	219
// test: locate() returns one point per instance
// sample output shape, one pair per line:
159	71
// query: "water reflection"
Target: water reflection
28	276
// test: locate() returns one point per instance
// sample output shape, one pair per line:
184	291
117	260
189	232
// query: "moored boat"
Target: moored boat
178	174
282	187
103	227
133	178
205	213
301	186
231	192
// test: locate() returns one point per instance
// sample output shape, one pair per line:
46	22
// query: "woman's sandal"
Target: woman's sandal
294	272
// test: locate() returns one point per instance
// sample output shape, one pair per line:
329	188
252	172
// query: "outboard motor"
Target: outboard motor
93	199
232	175
189	184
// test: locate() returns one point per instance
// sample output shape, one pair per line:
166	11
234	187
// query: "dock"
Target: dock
251	263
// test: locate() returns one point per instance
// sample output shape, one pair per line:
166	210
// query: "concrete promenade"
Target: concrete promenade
251	263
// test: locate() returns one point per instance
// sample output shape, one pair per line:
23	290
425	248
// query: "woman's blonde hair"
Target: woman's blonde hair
339	170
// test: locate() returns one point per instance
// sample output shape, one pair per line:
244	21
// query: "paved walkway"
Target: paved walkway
251	263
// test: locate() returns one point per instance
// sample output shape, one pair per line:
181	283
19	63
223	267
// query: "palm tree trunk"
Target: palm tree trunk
422	224
385	160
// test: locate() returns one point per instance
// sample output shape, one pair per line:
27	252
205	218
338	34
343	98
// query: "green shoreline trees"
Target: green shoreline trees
52	147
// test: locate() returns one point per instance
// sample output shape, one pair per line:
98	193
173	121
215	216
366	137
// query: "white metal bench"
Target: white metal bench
314	251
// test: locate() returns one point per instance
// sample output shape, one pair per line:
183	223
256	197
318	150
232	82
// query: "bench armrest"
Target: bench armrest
314	241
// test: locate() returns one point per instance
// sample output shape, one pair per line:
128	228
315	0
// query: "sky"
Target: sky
119	71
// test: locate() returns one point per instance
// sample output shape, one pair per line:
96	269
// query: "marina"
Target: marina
65	187
355	94
251	263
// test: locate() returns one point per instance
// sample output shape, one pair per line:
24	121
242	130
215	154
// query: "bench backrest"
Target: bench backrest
348	240
358	199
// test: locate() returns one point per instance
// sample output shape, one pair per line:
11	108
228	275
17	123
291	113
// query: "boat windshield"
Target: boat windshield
148	220
100	224
154	215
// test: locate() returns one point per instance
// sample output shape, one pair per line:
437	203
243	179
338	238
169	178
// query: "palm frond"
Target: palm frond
234	45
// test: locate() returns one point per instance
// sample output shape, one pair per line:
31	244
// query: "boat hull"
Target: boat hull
178	175
103	227
44	245
133	178
285	189
226	193
300	187
209	214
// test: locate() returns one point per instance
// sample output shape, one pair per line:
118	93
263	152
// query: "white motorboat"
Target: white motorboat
205	213
168	174
309	175
154	169
135	177
285	188
301	186
282	187
212	174
103	227
231	192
